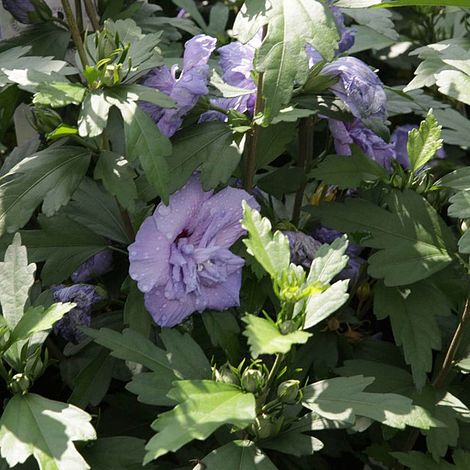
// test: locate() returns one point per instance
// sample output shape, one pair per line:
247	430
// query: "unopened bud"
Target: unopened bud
252	380
288	391
19	384
227	376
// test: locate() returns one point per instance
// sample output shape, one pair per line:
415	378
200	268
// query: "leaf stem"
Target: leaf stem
91	13
79	15
77	38
443	373
273	372
306	136
253	137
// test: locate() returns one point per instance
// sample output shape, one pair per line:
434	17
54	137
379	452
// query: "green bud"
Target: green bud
19	384
264	427
363	291
227	376
288	391
252	380
287	327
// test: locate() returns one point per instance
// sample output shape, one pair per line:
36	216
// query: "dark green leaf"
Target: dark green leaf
51	175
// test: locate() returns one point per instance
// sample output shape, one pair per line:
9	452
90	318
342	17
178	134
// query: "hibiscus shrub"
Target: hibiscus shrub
227	243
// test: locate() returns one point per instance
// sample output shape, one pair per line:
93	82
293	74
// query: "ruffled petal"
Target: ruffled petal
148	256
168	313
224	295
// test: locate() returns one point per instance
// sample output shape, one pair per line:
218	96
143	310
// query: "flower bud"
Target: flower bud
264	427
363	291
288	391
252	380
226	375
19	384
287	327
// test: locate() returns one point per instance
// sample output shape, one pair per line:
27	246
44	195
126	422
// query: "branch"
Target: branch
77	38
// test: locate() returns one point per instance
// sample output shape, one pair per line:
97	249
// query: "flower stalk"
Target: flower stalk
75	32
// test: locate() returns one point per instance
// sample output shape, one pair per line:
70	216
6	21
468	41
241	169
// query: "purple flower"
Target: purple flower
93	267
399	140
19	9
236	62
358	87
347	133
302	248
186	89
181	258
84	296
347	35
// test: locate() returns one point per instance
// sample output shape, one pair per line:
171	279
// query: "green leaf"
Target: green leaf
253	15
458	179
94	114
272	142
92	383
264	337
237	455
145	142
209	406
118	453
35	426
282	57
132	346
412	312
293	442
191	7
61	254
208	146
185	355
118	178
223	330
152	388
96	209
413	240
51	175
59	94
343	399
321	305
37	319
135	313
423	143
431	3
349	172
137	92
418	461
16	279
271	251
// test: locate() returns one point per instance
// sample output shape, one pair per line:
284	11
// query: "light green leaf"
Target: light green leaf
37	319
211	405
431	3
423	143
458	179
94	114
118	178
282	58
264	337
59	94
343	399
329	261
191	7
413	240
378	20
116	453
418	461
271	251
237	455
35	426
16	278
253	15
349	172
321	305
51	175
460	205
412	312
